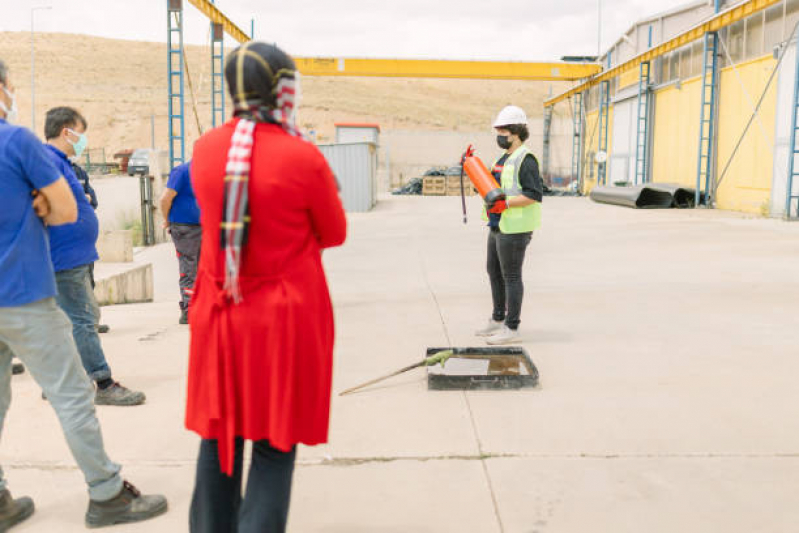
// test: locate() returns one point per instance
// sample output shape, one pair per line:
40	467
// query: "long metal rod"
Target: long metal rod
176	119
604	118
717	22
642	125
707	117
749	98
757	109
792	146
33	69
577	131
545	162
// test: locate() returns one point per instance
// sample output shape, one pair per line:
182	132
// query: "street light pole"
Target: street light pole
33	70
598	28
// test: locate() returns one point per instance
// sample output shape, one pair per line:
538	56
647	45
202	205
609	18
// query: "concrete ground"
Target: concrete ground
667	347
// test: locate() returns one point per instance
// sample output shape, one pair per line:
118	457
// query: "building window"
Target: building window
685	63
674	66
791	17
754	36
735	41
664	68
697	57
774	27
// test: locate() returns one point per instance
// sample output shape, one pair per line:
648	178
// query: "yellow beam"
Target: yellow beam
216	16
425	68
416	68
723	19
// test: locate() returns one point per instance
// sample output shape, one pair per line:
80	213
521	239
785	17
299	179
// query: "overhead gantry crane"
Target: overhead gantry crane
329	66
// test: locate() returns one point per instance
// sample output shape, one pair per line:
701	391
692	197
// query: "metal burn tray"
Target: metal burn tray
483	368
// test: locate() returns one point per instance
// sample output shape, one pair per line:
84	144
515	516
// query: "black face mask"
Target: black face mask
504	141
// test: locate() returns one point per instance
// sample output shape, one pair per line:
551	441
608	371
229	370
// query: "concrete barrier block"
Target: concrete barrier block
127	284
115	246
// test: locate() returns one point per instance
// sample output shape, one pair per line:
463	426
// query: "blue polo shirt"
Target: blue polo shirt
73	245
26	273
184	207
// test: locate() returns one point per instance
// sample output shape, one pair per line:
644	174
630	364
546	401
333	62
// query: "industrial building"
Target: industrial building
703	96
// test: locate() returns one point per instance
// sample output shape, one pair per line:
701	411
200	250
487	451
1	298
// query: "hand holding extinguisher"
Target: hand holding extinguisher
493	196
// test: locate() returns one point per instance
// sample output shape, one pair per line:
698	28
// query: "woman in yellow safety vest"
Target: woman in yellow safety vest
511	223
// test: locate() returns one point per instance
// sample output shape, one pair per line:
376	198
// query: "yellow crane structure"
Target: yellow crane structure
332	66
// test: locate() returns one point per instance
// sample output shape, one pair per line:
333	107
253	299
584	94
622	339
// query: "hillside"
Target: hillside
119	84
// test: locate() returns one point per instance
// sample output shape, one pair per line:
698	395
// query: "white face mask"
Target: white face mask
11	112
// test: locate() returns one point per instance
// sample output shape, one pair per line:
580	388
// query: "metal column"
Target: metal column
642	133
604	116
217	75
708	118
793	149
547	142
577	145
177	127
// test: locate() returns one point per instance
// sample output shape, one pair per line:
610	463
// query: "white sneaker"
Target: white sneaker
492	327
504	336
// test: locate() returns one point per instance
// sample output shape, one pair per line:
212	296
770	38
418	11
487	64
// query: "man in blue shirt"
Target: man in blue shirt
72	248
91	196
34	329
182	219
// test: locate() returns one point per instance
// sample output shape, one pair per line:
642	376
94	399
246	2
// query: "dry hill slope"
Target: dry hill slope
120	84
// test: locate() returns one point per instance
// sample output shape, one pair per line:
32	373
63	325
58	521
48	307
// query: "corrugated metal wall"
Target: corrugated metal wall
355	166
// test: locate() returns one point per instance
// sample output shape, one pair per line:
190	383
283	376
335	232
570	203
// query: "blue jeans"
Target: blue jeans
39	335
217	505
76	298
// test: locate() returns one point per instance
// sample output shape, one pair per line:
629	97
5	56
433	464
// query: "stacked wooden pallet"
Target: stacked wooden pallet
454	186
446	186
434	186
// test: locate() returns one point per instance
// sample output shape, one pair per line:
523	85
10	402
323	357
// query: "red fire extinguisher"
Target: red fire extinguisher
481	178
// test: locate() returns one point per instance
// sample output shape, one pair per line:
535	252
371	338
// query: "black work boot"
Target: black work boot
128	506
184	317
12	511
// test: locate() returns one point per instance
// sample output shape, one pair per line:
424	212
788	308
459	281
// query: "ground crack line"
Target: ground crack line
358	461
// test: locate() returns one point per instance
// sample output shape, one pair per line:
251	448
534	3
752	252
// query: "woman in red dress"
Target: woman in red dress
261	318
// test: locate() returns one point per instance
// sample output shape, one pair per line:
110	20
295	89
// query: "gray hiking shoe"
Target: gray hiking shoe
128	506
12	511
116	394
504	336
492	327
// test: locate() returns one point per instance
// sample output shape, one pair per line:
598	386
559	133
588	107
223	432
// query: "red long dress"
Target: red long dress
262	369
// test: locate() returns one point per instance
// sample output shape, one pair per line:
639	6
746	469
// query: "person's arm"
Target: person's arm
83	178
61	205
327	213
167	197
531	182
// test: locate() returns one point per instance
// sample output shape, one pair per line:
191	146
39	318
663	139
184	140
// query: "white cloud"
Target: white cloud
468	29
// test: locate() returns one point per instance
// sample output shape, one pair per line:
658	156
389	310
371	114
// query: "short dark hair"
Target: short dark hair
3	73
520	130
59	118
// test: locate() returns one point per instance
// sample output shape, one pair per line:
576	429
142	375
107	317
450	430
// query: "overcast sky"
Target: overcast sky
442	29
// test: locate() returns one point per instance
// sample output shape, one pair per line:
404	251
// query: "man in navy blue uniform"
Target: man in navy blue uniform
182	219
72	248
34	329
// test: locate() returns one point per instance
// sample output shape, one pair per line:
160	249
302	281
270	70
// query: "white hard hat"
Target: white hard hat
510	115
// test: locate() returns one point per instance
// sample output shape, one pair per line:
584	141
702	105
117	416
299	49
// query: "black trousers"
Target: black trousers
505	261
217	505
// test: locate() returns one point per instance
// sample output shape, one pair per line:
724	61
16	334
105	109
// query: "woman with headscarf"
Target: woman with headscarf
261	319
